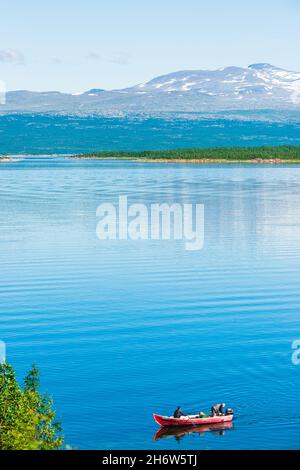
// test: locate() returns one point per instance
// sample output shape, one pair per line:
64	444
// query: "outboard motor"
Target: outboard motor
229	411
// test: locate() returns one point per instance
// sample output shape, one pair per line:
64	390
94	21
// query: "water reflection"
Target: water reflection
178	433
156	321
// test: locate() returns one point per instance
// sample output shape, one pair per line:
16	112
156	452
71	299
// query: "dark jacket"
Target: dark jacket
178	413
217	409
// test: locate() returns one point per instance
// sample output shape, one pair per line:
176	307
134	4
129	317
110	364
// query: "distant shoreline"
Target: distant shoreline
267	154
8	160
189	160
214	155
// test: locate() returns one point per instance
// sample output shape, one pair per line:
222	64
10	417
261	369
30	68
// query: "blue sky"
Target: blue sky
73	46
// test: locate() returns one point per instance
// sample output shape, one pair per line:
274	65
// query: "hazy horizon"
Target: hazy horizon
147	80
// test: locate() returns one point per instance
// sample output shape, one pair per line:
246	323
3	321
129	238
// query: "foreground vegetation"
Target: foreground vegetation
286	153
27	420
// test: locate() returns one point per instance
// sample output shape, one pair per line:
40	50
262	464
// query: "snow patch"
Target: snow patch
187	86
169	82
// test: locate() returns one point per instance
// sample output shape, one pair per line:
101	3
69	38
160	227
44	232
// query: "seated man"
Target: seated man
178	413
217	410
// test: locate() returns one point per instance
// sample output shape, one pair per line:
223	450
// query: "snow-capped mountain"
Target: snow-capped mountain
234	82
259	86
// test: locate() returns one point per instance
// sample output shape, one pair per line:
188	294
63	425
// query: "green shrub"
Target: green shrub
27	420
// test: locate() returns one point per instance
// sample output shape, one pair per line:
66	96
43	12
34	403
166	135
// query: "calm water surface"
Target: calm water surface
122	329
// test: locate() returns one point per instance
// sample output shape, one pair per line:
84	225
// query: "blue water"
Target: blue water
122	329
70	134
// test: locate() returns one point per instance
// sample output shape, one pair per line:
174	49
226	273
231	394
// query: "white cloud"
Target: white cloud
56	61
11	56
93	56
119	58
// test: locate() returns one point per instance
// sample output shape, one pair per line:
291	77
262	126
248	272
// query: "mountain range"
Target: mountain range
258	86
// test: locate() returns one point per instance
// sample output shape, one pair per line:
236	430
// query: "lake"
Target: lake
46	133
122	329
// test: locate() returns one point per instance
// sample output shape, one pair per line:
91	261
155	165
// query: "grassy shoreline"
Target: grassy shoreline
278	154
283	154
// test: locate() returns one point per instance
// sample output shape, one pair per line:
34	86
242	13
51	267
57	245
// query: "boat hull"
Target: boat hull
168	421
166	432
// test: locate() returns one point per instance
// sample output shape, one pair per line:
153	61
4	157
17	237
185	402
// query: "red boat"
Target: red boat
181	431
194	420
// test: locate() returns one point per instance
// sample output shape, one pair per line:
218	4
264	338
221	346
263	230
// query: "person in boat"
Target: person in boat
178	413
218	410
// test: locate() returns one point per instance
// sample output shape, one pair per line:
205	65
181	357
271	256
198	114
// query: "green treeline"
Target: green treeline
284	152
27	419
